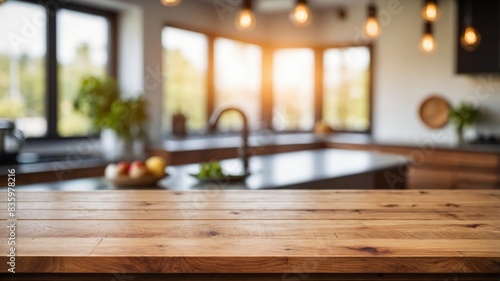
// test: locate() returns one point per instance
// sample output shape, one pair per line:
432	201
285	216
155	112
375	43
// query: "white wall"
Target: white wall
403	76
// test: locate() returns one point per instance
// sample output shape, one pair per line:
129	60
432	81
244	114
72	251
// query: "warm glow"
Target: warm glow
301	15
170	2
470	38
430	11
372	28
245	20
293	89
237	81
427	44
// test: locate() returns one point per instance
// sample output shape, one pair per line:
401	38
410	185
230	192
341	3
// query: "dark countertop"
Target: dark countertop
258	140
58	166
217	142
363	139
271	171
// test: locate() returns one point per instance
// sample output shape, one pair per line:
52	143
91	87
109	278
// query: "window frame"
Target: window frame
370	47
210	83
51	75
316	99
319	51
267	94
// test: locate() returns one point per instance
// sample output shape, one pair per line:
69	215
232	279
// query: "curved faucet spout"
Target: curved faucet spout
244	150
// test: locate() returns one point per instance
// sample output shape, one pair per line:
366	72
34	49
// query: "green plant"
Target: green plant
100	100
211	169
462	116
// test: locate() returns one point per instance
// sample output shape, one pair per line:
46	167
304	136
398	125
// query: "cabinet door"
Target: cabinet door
424	178
485	179
486	20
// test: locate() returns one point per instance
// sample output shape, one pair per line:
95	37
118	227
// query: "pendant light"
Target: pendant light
428	44
372	27
170	3
430	11
470	38
245	19
301	15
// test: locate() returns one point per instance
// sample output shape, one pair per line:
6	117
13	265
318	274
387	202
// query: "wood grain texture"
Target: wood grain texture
138	195
280	231
250	277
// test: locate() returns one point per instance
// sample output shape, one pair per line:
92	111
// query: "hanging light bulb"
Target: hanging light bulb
430	11
245	19
170	3
428	44
372	27
301	15
470	37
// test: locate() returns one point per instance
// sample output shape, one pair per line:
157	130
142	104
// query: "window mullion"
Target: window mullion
52	113
210	77
318	85
113	46
267	86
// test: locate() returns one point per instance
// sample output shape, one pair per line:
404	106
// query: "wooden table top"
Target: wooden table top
222	231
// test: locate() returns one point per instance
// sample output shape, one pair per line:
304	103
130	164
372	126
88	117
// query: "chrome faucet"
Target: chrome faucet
243	150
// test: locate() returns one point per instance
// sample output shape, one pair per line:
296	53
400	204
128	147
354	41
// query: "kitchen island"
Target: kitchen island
255	235
311	169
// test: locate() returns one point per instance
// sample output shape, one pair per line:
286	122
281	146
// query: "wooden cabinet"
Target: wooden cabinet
442	168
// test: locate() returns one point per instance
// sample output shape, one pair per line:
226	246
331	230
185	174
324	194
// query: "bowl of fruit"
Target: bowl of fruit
136	173
213	172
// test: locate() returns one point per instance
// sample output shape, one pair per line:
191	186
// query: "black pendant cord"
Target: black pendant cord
468	13
428	28
247	4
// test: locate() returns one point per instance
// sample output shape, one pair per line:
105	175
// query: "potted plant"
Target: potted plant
462	116
120	121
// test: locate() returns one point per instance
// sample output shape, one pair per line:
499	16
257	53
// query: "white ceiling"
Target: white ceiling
272	6
285	5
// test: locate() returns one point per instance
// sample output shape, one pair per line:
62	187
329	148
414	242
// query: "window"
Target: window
22	66
185	61
238	72
346	93
82	50
293	88
38	85
306	85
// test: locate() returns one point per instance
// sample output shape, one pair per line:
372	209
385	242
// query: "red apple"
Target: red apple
137	169
123	168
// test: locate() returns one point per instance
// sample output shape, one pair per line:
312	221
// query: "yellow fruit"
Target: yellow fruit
156	165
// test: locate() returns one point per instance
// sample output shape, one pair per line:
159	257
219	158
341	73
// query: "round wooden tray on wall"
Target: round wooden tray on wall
434	112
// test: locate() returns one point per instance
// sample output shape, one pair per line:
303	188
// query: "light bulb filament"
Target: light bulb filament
301	15
372	27
470	39
430	12
470	36
428	43
245	20
170	2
